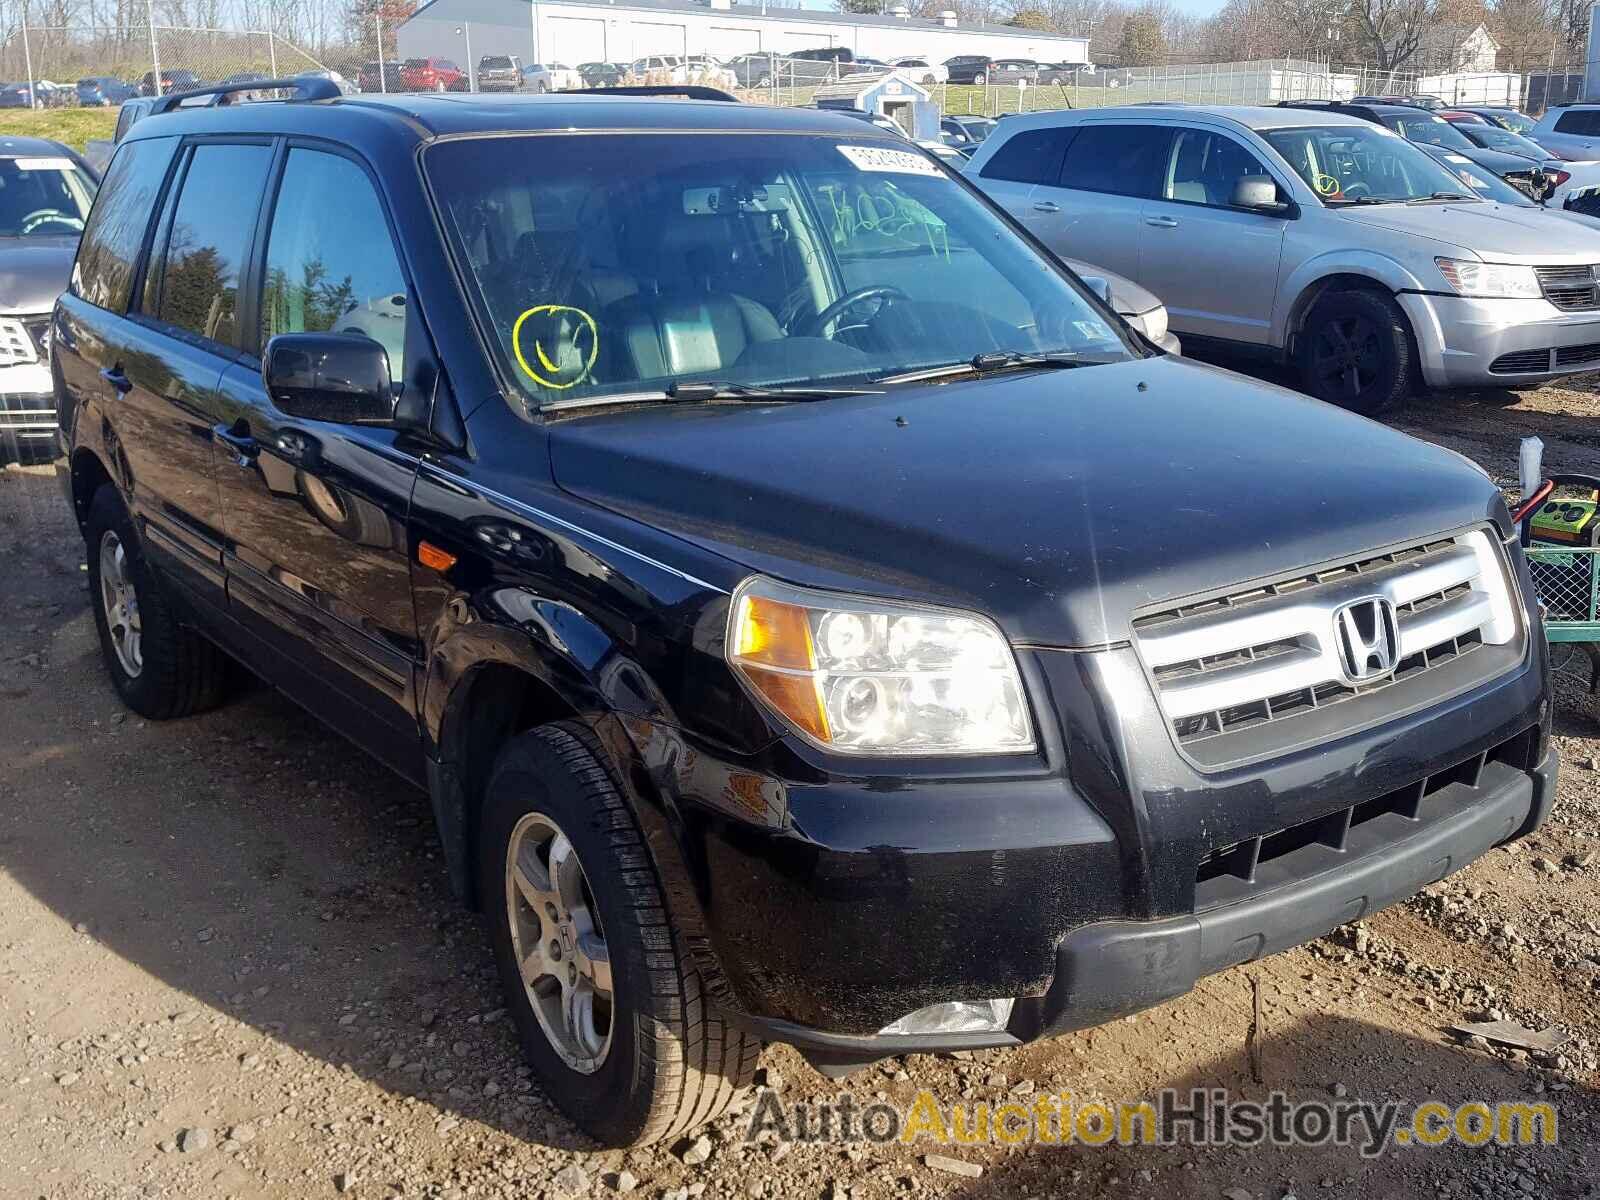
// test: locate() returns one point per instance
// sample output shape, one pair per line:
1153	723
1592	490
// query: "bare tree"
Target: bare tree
1391	31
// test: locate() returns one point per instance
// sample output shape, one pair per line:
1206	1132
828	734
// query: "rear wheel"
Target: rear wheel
612	1014
979	79
160	668
1356	352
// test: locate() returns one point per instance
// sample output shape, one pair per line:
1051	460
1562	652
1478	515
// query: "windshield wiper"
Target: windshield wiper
700	391
1441	196
997	360
1364	200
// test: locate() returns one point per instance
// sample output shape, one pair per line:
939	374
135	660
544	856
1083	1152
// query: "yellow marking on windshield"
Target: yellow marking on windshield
565	326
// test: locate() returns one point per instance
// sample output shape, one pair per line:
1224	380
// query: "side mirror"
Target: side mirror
1258	193
340	377
1100	286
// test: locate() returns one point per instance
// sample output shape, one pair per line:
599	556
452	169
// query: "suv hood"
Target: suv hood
1494	232
34	271
1056	502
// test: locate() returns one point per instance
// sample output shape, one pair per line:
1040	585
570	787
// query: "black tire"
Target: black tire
1356	351
979	79
672	1063
181	673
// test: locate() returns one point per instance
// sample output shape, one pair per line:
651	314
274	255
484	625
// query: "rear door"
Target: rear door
1095	210
315	512
1576	133
158	366
1214	266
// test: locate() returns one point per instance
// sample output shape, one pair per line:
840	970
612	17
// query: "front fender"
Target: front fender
1306	281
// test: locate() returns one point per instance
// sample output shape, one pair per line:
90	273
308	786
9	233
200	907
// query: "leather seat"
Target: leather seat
689	333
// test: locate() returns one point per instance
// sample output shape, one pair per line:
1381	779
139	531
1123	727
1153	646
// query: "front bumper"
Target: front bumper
1110	969
27	414
1464	342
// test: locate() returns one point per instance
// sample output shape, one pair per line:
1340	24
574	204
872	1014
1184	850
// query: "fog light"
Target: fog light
958	1016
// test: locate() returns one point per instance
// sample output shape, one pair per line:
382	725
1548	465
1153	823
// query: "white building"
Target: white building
574	31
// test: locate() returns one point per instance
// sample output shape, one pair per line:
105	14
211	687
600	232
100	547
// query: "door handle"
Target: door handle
119	382
1046	206
238	440
1162	222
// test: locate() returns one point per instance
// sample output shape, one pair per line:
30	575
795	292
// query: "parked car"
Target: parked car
1572	130
45	194
346	87
1013	70
536	78
1288	232
968	68
565	78
1443	140
603	74
569	588
171	81
924	70
1506	118
432	75
103	91
382	76
1061	72
500	73
960	130
1492	137
17	95
754	70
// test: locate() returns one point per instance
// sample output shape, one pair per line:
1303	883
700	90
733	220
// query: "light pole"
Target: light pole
27	55
472	70
155	48
383	71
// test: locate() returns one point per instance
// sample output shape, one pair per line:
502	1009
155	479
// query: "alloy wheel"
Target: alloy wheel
558	941
120	602
1347	356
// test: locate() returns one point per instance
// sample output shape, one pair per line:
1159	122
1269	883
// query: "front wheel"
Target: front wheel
611	1012
979	79
1356	352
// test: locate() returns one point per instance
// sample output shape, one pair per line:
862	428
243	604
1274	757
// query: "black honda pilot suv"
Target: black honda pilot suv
813	615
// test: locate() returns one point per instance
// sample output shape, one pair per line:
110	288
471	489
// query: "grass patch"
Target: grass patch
72	126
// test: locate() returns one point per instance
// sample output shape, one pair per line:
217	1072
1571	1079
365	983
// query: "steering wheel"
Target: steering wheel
50	216
819	324
1356	190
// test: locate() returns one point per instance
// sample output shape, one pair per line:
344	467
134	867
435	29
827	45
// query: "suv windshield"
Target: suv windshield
1492	137
605	266
1429	131
45	196
495	62
1352	164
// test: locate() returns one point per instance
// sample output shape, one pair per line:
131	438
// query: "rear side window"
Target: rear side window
103	273
1032	156
1125	160
209	238
1579	120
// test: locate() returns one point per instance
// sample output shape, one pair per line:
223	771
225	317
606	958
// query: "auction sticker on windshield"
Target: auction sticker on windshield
902	162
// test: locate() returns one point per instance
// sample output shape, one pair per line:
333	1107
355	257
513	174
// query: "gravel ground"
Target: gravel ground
230	966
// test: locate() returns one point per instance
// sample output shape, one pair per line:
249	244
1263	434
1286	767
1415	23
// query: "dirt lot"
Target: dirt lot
230	966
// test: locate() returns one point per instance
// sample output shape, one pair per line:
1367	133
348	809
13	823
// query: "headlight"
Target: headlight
1497	280
865	676
1152	324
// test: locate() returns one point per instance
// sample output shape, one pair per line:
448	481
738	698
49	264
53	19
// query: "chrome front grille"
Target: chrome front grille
16	344
1273	652
1571	288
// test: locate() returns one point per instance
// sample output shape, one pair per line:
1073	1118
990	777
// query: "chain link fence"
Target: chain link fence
54	58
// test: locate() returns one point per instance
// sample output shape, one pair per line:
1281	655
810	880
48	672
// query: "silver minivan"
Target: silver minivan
1315	238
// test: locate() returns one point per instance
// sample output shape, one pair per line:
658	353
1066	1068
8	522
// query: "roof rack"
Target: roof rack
1309	102
311	87
689	91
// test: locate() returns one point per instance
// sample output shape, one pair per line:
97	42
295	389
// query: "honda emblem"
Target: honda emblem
1368	634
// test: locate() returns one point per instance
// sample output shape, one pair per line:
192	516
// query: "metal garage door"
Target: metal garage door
574	40
654	37
724	41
